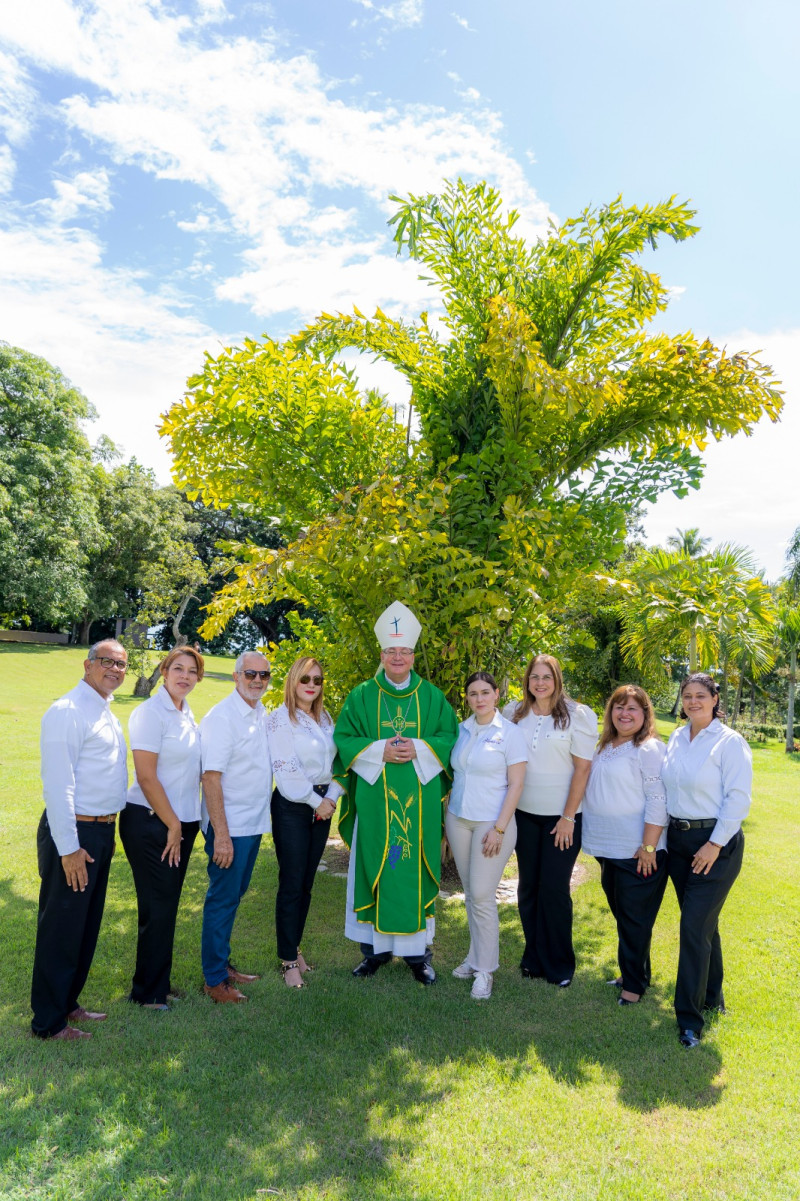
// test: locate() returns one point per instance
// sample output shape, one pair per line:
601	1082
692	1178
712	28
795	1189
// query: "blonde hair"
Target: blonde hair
166	663
301	667
648	730
560	710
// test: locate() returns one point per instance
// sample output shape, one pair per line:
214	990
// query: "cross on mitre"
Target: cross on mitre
397	626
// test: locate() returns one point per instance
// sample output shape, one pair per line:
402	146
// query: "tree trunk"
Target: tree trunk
86	629
180	639
724	688
146	684
790	705
676	703
737	704
752	701
692	651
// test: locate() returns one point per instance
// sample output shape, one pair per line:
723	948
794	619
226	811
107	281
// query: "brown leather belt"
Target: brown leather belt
107	818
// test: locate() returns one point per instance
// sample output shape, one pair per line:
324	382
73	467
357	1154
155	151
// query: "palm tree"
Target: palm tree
789	627
688	543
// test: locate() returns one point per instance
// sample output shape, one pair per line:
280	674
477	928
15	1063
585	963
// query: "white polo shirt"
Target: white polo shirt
480	760
172	734
233	740
84	763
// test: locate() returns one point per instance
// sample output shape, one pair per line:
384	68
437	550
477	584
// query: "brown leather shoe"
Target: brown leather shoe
85	1015
69	1033
224	992
237	977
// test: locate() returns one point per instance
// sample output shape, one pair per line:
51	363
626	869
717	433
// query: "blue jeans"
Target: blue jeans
226	887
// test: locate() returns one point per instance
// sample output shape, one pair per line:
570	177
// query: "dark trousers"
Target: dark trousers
67	926
299	842
543	897
384	956
634	900
226	887
158	892
701	897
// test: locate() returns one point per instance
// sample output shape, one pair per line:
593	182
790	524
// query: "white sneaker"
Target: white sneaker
463	971
482	988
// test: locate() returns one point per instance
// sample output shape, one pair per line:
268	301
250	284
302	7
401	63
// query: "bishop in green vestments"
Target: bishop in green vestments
394	737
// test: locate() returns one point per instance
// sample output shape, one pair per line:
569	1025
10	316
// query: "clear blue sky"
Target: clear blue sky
176	175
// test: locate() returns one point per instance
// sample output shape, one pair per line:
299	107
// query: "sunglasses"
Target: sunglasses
311	680
262	675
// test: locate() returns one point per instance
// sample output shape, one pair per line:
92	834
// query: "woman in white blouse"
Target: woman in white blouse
708	774
561	737
489	761
300	734
624	815
159	823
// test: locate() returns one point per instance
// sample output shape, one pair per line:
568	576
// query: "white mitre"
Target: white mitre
397	626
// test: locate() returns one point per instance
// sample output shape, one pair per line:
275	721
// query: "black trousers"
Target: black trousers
543	898
158	893
634	900
699	982
299	842
385	956
67	926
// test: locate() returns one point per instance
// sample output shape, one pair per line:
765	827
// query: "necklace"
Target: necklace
399	722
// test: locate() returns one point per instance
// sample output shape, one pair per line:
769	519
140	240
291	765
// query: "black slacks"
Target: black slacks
700	897
158	893
299	842
67	926
543	898
634	900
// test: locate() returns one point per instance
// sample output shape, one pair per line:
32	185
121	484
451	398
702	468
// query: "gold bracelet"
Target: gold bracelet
498	830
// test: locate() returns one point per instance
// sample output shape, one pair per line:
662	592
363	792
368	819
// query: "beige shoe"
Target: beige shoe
464	971
482	988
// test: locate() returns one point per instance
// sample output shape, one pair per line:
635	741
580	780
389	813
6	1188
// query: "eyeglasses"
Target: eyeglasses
105	661
262	675
311	680
399	650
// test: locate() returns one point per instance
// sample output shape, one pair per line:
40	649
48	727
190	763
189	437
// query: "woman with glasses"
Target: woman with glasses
300	734
561	737
159	823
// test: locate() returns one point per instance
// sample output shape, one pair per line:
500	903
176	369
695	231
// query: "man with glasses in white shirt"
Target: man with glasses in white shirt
85	779
237	785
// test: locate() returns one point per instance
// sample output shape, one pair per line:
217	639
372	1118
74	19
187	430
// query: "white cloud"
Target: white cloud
463	22
17	100
87	192
403	13
7	169
749	491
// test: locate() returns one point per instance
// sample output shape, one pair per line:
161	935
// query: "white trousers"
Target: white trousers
480	874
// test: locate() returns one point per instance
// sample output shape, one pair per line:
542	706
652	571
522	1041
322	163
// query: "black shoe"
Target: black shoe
423	972
616	982
367	967
625	1001
527	974
720	1009
689	1038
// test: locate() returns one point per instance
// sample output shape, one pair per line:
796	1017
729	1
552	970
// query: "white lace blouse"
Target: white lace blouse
625	792
302	754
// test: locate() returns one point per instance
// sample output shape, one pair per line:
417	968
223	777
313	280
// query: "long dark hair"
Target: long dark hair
560	710
705	681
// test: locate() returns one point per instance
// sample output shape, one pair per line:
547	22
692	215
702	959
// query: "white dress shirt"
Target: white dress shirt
370	763
233	740
480	760
172	734
624	794
84	763
550	752
710	776
302	753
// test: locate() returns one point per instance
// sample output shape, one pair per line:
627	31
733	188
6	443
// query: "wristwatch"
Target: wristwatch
646	846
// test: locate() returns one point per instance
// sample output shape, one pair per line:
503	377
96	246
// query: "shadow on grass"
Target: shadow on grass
330	1089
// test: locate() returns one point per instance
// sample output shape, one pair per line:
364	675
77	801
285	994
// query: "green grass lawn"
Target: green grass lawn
382	1089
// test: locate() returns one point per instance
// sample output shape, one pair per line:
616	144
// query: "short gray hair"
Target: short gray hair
239	664
92	652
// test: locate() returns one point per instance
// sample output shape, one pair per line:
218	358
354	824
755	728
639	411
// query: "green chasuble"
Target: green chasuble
398	851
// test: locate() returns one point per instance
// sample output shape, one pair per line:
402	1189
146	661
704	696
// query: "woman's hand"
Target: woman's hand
491	843
172	851
564	830
325	809
647	861
705	858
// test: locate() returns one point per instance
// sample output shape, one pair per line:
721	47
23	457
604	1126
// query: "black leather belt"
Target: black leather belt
703	823
321	789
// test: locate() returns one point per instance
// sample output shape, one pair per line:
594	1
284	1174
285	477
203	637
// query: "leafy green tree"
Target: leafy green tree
48	511
546	412
689	543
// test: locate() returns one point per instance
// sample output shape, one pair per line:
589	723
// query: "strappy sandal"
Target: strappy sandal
287	967
304	967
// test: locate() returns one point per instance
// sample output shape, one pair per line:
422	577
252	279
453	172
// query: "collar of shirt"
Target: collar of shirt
243	709
90	696
472	724
713	727
404	684
164	699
